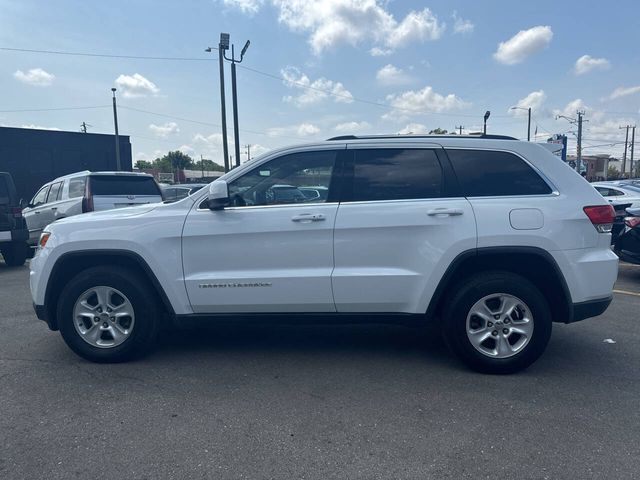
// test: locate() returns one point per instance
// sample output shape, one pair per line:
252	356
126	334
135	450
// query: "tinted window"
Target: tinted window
283	179
76	187
123	185
484	173
40	197
4	190
396	174
54	193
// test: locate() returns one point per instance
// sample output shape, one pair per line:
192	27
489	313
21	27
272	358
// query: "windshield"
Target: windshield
123	185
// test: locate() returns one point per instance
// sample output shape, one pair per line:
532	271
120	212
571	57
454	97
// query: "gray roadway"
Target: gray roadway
318	402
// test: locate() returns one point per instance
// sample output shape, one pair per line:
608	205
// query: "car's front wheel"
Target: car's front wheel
108	314
497	322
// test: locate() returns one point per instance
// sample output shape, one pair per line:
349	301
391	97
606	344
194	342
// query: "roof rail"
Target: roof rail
372	137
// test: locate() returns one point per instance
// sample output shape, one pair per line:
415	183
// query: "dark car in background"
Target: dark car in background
173	193
627	244
13	229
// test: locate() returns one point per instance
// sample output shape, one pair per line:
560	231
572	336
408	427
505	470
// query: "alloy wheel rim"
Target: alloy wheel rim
103	317
499	325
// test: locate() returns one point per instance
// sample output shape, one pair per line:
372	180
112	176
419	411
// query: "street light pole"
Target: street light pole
633	140
234	93
222	46
487	114
528	110
117	137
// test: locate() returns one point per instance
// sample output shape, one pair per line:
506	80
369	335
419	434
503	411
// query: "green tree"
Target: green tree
438	131
613	173
175	160
143	164
206	164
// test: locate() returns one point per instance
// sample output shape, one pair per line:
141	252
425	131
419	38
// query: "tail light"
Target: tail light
16	212
602	217
632	222
87	200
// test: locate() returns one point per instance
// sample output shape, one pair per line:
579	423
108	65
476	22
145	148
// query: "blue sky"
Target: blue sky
373	67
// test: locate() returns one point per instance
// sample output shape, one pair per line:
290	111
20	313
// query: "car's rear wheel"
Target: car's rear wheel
497	322
108	314
14	253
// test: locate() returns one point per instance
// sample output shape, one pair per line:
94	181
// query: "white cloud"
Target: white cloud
353	22
534	101
460	25
420	102
523	44
624	91
136	86
571	108
587	63
352	127
413	128
380	52
245	6
304	129
313	92
391	75
165	130
35	76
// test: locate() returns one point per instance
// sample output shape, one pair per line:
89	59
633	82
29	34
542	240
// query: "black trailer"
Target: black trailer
34	157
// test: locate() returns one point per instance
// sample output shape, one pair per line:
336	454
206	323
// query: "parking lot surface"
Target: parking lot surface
319	402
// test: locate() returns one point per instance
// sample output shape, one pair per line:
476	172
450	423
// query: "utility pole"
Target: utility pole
115	122
460	127
624	157
234	93
633	140
83	127
248	152
529	126
577	121
201	166
579	145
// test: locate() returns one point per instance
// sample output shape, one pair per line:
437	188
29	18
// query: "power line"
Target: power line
106	55
24	110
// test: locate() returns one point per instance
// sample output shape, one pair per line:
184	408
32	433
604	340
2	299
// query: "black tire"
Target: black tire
459	304
141	296
15	253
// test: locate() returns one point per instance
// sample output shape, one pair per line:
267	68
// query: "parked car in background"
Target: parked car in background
627	245
13	229
173	193
615	192
87	192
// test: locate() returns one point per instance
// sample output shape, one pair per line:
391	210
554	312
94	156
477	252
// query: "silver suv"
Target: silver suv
87	192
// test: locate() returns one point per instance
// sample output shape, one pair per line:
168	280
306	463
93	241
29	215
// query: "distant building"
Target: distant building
34	157
596	165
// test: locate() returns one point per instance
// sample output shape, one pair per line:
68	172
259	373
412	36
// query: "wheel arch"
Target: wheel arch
72	263
535	264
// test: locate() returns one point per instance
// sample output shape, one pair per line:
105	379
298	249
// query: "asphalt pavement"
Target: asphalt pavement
366	402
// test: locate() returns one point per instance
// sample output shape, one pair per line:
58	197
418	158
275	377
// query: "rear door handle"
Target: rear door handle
308	217
445	211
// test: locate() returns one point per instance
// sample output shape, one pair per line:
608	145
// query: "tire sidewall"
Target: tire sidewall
481	286
145	326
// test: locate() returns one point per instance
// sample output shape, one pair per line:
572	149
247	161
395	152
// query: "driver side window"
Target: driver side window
303	177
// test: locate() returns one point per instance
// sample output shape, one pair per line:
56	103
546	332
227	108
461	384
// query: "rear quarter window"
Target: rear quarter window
486	173
123	185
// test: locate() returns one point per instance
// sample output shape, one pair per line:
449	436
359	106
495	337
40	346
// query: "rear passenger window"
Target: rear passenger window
396	174
54	193
484	173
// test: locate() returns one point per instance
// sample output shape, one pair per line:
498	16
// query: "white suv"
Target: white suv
491	237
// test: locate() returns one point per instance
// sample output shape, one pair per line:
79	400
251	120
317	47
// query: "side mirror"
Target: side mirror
218	195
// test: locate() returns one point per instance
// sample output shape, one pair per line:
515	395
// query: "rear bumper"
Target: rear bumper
588	309
19	235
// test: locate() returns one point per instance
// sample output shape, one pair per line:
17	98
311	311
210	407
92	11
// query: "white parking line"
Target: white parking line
625	292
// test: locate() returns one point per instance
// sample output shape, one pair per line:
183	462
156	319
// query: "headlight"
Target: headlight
44	238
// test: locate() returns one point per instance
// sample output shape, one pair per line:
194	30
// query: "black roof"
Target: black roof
373	137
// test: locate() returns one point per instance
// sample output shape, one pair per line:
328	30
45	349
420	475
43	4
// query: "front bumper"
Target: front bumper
42	314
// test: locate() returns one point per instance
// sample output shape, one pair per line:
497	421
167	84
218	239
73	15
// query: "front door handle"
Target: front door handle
445	211
308	217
